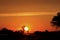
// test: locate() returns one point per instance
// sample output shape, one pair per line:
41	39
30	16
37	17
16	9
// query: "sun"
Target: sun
26	28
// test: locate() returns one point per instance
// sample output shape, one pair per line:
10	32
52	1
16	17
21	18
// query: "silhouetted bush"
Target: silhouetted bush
19	35
56	21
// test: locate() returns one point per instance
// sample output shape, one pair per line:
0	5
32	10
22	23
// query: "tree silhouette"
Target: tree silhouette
56	21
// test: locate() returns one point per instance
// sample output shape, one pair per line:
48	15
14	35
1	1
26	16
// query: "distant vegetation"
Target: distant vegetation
6	34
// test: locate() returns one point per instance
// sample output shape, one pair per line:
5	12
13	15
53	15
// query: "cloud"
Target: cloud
29	14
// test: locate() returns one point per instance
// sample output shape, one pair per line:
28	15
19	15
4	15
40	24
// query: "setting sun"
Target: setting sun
26	28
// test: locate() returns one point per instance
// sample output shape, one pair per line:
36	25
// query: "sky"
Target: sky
14	13
18	6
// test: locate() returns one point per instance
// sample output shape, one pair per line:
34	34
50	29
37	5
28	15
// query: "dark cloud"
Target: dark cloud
16	6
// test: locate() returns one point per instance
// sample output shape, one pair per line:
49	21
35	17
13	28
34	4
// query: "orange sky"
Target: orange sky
18	6
36	22
36	13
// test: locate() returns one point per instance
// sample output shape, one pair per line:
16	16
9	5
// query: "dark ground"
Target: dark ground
6	34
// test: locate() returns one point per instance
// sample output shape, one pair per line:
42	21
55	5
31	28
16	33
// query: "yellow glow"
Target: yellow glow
19	28
26	28
28	14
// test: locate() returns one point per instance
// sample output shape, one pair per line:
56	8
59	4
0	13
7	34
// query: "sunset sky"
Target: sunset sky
37	14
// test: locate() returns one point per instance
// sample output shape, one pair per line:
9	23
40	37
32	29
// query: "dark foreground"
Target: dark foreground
18	35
